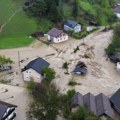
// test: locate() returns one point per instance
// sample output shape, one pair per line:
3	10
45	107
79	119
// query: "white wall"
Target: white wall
61	38
118	15
77	28
30	73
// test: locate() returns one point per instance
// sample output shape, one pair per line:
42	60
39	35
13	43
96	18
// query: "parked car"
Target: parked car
113	58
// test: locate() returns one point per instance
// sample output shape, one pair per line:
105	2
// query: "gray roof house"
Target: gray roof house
33	70
7	111
71	25
115	100
117	10
56	36
99	105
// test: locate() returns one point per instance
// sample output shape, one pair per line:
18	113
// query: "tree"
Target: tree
46	103
75	9
114	46
49	74
4	60
50	9
83	114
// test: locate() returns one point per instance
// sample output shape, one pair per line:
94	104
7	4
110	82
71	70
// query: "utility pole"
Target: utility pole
19	58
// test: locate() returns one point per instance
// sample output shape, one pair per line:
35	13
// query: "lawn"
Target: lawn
16	32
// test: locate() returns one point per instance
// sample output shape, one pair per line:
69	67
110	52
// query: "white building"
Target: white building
55	35
70	25
33	70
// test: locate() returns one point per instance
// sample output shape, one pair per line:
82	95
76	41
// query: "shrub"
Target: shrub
31	86
114	46
72	83
65	65
76	49
49	74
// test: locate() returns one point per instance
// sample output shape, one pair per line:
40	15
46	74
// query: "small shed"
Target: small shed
80	68
71	25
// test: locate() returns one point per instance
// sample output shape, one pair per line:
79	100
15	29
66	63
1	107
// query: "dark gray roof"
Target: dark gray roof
83	70
99	105
117	9
71	23
38	65
103	106
89	102
115	100
77	100
3	108
55	32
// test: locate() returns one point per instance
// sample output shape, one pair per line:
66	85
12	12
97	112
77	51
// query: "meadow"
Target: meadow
16	33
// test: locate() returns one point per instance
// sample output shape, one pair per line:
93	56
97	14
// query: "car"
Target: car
113	58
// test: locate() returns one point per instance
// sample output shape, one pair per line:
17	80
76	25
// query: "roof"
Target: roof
77	100
89	102
37	64
115	99
117	9
3	107
71	23
55	32
83	70
99	105
103	106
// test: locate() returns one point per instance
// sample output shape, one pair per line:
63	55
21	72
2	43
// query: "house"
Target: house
7	111
33	70
56	36
115	100
99	105
80	69
70	25
117	10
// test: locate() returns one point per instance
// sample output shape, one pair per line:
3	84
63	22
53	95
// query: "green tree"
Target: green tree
114	46
49	74
75	9
46	103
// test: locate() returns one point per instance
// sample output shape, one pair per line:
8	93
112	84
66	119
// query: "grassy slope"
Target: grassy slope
16	33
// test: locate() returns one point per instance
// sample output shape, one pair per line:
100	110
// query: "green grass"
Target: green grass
16	32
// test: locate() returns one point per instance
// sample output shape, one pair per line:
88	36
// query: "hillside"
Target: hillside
16	32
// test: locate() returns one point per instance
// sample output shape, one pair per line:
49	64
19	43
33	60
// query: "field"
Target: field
16	32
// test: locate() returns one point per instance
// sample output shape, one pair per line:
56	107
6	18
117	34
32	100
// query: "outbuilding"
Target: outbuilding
71	25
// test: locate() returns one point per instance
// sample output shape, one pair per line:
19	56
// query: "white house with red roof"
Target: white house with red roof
55	35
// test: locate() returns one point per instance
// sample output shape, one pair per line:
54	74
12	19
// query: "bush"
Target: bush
31	86
72	83
83	114
76	49
65	65
49	74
